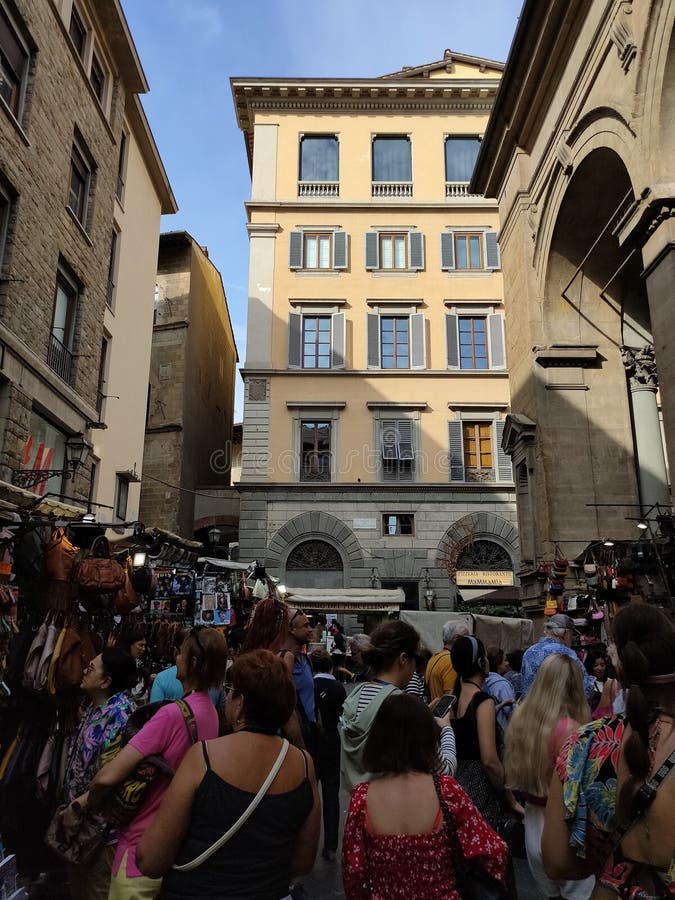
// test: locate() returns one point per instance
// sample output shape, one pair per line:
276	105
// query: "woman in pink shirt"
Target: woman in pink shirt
201	664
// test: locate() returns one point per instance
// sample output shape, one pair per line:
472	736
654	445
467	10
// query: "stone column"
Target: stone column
642	380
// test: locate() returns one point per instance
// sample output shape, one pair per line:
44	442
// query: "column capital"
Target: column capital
640	367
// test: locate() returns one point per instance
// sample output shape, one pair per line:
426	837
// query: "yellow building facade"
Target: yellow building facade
376	384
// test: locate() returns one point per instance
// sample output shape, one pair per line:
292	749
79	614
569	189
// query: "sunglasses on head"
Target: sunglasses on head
295	615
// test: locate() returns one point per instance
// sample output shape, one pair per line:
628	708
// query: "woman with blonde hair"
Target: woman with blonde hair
555	707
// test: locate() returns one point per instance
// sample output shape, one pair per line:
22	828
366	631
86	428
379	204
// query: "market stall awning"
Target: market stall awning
498	596
19	498
346	600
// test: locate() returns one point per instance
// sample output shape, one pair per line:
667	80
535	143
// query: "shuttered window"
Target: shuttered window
387	251
475	452
397	449
317	250
396	342
464	251
316	341
475	342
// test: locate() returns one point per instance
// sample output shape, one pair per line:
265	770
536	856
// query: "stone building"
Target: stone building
579	153
71	131
188	435
376	387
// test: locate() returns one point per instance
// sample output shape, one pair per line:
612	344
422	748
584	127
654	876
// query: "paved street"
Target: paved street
325	882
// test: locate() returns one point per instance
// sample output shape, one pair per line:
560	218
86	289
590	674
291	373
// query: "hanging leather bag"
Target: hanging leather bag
77	651
99	572
126	597
59	556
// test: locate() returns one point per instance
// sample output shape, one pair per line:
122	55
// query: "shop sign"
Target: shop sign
487	578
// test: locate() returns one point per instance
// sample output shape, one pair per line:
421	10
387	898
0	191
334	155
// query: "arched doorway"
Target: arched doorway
314	564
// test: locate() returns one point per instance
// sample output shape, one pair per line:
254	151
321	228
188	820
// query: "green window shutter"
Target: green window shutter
504	466
406	449
389	439
418	355
340	250
456	451
372	261
447	250
337	358
452	340
294	341
295	250
496	332
373	339
492	260
416	250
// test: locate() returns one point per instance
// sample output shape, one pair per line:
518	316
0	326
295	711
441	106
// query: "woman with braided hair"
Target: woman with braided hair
601	819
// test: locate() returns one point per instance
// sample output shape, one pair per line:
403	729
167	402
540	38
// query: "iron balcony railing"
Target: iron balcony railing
60	359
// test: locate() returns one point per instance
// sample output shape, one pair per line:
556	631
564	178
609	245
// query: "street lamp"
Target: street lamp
215	535
77	450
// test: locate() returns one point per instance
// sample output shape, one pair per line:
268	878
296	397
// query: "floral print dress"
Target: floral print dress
402	866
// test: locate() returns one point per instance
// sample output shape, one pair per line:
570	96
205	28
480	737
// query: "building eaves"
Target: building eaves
121	45
546	29
350	95
450	57
146	141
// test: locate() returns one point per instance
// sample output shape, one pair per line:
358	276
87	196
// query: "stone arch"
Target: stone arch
655	91
601	129
320	526
486	526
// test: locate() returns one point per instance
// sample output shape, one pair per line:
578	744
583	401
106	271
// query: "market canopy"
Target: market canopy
347	600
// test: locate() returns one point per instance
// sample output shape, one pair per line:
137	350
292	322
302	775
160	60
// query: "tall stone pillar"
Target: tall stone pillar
643	384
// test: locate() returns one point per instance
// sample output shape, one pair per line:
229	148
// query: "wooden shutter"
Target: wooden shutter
295	250
294	341
373	337
452	340
416	250
337	355
447	250
418	355
340	250
389	439
405	439
372	261
456	451
504	466
496	332
491	251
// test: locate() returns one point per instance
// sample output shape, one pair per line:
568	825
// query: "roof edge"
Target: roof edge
151	155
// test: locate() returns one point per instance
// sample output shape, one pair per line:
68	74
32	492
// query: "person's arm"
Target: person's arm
560	861
307	839
161	841
157	690
293	731
111	775
487	740
354	853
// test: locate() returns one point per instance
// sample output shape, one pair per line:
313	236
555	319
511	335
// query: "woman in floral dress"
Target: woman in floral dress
395	845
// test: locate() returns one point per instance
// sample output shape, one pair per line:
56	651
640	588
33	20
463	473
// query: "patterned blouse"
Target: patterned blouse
401	866
587	767
98	726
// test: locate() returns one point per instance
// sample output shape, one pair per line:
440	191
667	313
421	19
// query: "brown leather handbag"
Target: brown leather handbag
77	651
126	598
99	572
59	556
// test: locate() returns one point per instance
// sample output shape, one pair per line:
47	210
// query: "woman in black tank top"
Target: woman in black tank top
215	786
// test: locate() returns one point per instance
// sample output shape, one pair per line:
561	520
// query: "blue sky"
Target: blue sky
190	49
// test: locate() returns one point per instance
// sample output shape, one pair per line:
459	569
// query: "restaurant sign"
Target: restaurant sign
484	578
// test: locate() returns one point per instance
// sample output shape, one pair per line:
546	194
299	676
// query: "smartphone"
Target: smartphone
446	702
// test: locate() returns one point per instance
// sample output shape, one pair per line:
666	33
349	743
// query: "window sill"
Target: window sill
80	226
397	273
321	273
470	273
14	122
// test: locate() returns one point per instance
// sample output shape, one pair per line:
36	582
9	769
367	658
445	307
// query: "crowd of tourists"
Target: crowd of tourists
455	763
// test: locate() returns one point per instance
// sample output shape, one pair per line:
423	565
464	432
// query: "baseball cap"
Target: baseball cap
560	620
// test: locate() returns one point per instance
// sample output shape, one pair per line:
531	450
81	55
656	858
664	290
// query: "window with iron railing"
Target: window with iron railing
315	461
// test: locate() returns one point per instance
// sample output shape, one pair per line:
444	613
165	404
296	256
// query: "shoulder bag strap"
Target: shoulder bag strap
189	719
248	812
644	799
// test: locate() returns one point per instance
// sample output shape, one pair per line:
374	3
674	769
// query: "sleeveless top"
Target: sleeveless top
255	862
466	729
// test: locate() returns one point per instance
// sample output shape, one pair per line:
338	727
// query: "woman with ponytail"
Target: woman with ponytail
479	771
595	788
